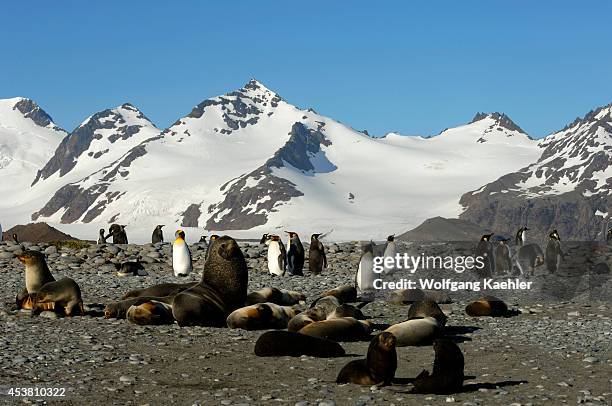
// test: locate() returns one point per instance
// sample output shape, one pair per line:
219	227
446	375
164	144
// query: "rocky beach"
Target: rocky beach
555	349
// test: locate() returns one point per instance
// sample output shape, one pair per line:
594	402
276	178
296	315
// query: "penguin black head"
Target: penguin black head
486	237
213	237
203	238
274	237
554	235
292	234
315	236
159	226
264	238
179	234
123	226
102	231
391	238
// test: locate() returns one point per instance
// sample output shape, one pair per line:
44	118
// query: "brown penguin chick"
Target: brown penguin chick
378	367
222	290
64	293
427	308
317	260
37	274
487	306
278	343
447	376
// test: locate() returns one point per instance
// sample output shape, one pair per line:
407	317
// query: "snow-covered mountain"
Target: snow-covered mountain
567	188
28	138
250	162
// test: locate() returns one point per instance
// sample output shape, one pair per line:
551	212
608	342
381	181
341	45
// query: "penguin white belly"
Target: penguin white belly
181	259
390	251
365	274
274	252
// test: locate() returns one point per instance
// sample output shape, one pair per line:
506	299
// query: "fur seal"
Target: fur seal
295	255
340	329
118	310
305	318
378	367
327	303
37	274
346	310
317	261
222	290
158	234
261	316
274	295
427	308
415	332
150	312
447	376
132	268
163	289
487	306
278	343
345	294
65	294
408	296
181	256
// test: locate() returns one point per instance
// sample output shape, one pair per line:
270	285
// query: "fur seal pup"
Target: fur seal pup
346	310
305	318
150	313
158	234
364	278
345	294
317	261
295	255
378	367
181	256
37	274
503	262
327	304
427	308
485	251
118	233
102	236
132	268
261	316
408	296
277	255
118	310
415	332
553	252
274	295
65	294
390	252
163	289
447	376
340	329
487	306
222	290
278	343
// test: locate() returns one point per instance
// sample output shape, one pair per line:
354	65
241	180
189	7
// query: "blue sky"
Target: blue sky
410	67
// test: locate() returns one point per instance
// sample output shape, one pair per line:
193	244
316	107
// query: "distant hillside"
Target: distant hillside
443	229
36	232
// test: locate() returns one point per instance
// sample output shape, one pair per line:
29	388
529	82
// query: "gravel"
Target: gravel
551	352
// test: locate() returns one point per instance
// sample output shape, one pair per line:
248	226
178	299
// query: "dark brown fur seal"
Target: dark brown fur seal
37	274
408	296
118	310
222	290
261	316
274	295
305	318
163	289
487	306
427	308
340	329
447	376
151	312
65	294
345	294
379	366
346	310
279	343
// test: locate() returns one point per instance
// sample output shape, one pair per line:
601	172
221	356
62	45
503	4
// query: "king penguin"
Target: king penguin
102	238
181	256
553	252
527	256
158	235
521	236
503	262
485	251
390	252
609	236
295	255
211	240
364	278
277	255
317	261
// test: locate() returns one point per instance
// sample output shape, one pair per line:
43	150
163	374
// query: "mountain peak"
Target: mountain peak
30	109
600	113
501	119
